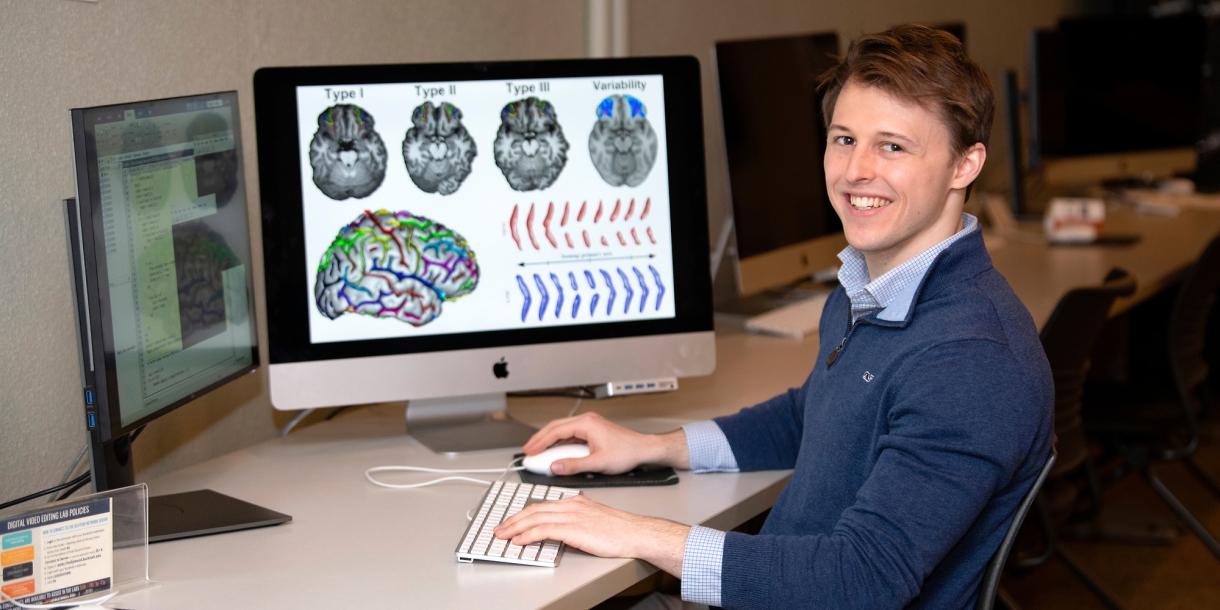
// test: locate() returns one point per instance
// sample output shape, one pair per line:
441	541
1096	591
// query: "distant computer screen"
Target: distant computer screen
1118	85
164	247
775	139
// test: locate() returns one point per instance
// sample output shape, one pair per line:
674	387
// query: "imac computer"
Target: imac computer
160	252
447	233
774	136
1117	98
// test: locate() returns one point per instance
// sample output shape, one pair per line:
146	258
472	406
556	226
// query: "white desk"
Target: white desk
352	543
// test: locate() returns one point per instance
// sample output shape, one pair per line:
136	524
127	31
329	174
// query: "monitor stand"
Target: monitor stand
186	515
461	424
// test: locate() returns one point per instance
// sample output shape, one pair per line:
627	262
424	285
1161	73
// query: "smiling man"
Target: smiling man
928	413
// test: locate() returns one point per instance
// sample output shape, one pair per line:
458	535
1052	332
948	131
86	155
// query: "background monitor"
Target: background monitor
1117	97
785	226
447	233
161	261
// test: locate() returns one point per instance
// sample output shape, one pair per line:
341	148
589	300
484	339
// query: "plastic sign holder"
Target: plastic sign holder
75	550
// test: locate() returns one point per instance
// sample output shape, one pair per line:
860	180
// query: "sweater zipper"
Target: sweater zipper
834	356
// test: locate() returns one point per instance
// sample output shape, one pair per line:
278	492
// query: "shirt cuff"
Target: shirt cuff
709	448
701	563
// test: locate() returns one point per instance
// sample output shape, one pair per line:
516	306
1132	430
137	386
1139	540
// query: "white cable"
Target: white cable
368	474
292	423
86	605
575	406
436	470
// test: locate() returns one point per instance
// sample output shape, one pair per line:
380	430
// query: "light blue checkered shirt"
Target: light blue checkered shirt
891	295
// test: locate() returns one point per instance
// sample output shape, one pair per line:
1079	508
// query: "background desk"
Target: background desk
354	543
1041	274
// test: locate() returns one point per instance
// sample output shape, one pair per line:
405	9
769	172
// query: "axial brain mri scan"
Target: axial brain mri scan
395	265
438	150
530	148
347	155
622	145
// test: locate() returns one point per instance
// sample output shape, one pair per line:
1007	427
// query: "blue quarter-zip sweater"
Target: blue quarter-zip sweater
911	451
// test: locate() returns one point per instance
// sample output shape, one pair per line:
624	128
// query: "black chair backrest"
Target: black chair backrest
1068	339
995	567
1188	322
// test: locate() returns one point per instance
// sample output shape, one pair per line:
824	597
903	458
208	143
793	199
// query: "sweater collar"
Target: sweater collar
890	296
961	261
964	259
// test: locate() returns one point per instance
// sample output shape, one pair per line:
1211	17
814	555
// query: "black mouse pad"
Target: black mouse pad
640	477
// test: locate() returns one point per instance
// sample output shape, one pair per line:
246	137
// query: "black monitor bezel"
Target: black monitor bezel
752	235
1051	86
283	218
88	261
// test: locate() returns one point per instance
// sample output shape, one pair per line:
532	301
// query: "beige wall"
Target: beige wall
60	54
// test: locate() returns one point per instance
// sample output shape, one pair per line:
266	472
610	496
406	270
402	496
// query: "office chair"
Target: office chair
1145	429
990	587
1068	338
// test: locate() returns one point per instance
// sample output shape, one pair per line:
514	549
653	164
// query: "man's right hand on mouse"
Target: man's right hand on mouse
613	449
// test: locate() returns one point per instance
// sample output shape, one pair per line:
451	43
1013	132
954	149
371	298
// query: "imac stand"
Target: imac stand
462	424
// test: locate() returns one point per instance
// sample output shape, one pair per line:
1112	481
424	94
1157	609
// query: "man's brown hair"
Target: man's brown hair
922	65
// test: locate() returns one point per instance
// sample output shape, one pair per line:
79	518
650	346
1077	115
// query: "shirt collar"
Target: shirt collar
892	293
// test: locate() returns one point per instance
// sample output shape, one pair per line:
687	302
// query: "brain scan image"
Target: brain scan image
438	149
530	148
347	155
215	173
201	256
395	265
622	145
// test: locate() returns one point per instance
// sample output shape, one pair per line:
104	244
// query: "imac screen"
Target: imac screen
172	246
433	208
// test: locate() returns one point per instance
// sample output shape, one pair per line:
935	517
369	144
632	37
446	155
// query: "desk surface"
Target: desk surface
353	542
1041	274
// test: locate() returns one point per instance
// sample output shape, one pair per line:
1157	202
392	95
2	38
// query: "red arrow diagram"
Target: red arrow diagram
529	228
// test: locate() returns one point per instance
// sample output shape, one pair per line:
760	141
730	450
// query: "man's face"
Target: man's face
890	168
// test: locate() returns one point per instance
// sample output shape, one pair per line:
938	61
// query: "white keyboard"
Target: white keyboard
502	501
794	320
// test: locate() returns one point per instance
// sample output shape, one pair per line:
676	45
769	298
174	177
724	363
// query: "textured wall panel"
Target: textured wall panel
58	55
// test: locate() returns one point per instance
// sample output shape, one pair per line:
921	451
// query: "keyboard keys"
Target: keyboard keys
497	548
502	501
550	549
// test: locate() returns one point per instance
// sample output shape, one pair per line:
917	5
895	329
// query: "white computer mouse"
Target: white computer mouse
541	463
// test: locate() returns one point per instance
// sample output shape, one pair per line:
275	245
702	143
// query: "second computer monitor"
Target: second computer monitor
1118	97
775	139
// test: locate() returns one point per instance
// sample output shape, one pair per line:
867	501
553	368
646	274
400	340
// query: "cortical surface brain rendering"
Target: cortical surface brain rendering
438	149
530	147
394	265
622	145
347	155
201	257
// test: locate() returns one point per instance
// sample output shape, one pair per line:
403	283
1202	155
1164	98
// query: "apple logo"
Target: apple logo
500	369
